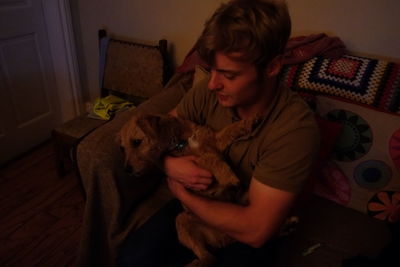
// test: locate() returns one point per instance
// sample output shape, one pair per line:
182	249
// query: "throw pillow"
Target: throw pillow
366	155
358	79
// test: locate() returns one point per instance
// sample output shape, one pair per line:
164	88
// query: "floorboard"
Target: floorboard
40	213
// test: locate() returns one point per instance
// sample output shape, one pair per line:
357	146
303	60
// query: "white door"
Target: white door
29	107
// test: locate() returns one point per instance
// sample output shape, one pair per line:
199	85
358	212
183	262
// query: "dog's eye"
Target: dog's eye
136	142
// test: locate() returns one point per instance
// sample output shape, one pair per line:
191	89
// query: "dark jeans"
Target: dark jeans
156	244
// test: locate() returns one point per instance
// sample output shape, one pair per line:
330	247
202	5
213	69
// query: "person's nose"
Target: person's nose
214	83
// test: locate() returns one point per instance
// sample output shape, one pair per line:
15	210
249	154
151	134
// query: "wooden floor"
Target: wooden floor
40	213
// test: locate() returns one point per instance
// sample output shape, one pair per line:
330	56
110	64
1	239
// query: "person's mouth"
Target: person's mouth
222	97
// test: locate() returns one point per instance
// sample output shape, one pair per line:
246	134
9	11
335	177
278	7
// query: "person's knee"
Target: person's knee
151	244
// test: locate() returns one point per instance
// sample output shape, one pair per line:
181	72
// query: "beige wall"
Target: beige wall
366	26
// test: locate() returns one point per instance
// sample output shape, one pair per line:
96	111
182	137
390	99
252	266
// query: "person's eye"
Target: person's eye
230	76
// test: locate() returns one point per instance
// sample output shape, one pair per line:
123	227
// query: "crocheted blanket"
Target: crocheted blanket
363	171
358	79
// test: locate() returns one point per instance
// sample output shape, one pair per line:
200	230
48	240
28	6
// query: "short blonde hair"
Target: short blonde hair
258	29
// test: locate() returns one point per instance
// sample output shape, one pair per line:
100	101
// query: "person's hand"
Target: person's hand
185	171
176	187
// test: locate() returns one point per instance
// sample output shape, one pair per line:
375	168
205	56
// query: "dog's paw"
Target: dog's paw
252	123
234	182
256	120
194	263
206	262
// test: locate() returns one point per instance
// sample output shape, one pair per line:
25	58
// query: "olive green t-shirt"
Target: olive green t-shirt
279	152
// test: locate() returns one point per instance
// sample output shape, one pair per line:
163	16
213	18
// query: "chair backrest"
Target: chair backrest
131	70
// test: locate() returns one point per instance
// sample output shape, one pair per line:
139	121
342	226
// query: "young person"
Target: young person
243	43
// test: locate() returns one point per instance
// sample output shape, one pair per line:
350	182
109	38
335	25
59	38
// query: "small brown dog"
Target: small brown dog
146	139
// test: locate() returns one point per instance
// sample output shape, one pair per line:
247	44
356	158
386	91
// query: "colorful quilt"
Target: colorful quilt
363	95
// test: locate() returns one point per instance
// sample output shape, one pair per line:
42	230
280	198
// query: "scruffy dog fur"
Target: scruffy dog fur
146	139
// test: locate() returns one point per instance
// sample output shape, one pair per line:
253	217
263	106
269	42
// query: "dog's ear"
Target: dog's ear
160	127
118	139
150	124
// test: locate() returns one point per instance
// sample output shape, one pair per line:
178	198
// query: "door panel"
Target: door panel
28	104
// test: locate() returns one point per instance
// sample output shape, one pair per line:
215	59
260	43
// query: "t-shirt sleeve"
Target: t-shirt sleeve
288	162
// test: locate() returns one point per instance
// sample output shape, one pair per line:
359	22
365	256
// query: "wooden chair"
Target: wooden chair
130	70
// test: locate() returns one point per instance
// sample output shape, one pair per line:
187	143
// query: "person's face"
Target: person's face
236	83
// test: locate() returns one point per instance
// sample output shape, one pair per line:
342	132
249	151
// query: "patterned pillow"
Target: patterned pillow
364	173
358	79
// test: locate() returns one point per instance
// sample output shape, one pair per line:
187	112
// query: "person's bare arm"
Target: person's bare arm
252	224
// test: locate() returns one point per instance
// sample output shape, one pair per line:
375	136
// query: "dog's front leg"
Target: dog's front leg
230	133
219	168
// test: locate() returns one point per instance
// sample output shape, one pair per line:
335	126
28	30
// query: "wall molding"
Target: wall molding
62	44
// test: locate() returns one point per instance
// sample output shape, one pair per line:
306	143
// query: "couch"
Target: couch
354	205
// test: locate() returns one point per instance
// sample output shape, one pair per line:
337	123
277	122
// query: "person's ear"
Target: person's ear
274	67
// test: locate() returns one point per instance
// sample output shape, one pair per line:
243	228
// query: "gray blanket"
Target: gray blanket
116	203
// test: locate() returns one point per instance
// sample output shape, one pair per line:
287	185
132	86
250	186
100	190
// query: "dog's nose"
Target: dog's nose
136	174
128	169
